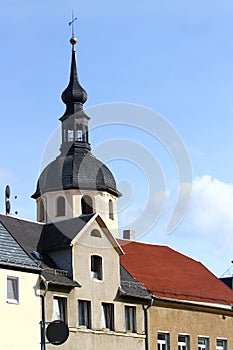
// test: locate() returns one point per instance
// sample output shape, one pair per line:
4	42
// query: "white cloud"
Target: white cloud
206	232
211	205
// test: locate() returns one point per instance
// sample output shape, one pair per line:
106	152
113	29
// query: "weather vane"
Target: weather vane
72	23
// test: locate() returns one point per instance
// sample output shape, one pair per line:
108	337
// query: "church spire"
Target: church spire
74	96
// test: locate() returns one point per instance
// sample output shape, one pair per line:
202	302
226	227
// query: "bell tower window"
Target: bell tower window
87	205
61	206
110	207
41	210
70	135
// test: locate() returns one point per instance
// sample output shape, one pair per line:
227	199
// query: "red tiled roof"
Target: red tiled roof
169	274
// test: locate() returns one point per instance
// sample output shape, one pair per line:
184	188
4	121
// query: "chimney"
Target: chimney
129	234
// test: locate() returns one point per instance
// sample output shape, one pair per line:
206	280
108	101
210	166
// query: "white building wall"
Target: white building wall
20	328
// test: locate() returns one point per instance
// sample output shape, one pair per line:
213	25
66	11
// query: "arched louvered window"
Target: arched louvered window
87	205
61	206
110	208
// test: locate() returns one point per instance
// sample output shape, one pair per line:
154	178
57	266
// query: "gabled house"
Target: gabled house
86	287
192	308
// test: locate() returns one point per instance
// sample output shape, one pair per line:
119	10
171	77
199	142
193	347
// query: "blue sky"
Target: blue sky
175	58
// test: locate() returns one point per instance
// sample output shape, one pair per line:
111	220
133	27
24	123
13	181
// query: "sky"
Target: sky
141	63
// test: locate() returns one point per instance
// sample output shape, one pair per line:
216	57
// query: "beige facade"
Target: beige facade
20	327
96	292
191	320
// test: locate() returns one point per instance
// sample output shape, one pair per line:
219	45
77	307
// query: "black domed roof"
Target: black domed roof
78	169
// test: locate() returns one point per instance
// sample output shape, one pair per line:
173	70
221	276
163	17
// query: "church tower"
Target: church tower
76	183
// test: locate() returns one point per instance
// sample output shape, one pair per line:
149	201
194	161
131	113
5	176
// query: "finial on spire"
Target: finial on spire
73	40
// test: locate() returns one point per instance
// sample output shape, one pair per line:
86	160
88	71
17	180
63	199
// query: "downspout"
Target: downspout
42	322
145	308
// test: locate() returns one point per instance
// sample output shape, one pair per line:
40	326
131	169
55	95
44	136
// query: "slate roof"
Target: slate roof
60	234
12	254
131	287
167	273
76	169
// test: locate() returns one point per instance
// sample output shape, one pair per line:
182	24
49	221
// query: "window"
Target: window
110	205
203	343
95	233
60	309
130	318
61	206
183	342
70	135
87	205
84	313
108	316
221	344
79	132
163	341
96	267
12	289
41	210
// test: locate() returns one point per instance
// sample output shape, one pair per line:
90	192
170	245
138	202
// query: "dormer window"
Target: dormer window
61	206
96	267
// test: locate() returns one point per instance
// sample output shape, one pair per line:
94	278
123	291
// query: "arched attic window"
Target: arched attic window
61	206
87	205
110	208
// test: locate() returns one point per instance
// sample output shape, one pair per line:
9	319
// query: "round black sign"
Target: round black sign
57	332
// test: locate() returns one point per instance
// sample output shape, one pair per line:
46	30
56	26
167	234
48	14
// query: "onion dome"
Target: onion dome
74	96
76	170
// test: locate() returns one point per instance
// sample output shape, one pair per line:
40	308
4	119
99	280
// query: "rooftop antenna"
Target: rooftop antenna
73	40
7	200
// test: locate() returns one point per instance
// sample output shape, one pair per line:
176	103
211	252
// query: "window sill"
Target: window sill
106	332
12	301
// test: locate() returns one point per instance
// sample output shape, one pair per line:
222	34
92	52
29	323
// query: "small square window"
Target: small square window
221	344
12	289
84	313
60	309
183	342
203	343
130	318
163	341
108	316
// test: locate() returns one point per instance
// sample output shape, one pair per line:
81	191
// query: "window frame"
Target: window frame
204	346
60	206
15	289
97	267
130	319
84	313
184	345
108	317
62	306
221	347
165	341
